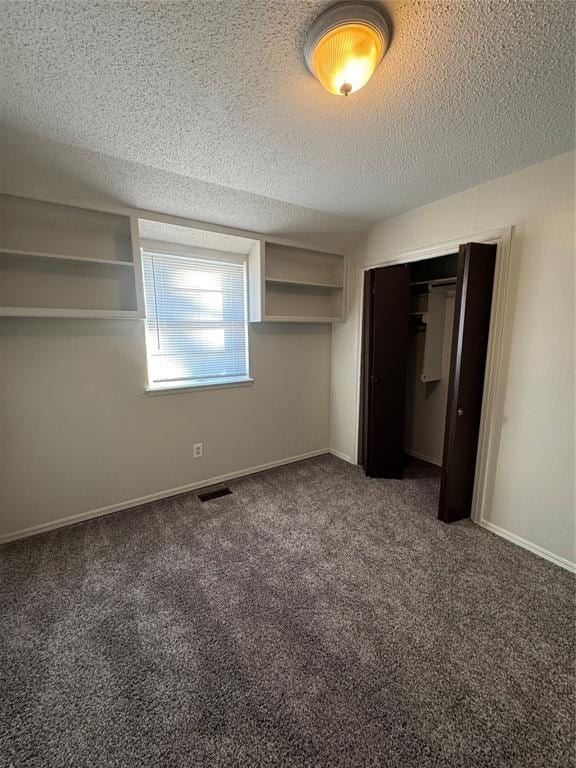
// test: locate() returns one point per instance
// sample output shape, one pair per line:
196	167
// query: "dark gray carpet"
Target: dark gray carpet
312	618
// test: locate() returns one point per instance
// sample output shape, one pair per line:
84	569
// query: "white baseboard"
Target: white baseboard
540	551
341	455
423	457
35	529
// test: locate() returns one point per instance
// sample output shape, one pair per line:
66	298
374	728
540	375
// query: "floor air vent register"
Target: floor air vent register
215	494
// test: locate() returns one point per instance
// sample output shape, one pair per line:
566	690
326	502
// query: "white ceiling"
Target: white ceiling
199	238
218	92
34	166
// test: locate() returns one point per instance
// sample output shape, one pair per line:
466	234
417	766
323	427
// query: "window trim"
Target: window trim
231	383
191	251
206	254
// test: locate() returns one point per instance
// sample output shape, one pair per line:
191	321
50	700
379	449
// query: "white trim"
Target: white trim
340	455
137	259
493	380
423	457
525	544
101	511
244	381
191	251
439	249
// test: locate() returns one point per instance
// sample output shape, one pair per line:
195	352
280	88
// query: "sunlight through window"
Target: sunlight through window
196	321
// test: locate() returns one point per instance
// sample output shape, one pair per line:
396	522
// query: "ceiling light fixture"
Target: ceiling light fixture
345	45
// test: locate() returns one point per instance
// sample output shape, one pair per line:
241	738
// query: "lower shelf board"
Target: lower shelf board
304	283
292	319
94	314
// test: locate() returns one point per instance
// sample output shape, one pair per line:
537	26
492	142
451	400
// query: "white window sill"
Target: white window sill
245	381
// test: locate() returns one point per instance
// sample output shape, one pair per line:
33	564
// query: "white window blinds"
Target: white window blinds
195	320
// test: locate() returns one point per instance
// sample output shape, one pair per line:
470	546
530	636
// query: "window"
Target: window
196	324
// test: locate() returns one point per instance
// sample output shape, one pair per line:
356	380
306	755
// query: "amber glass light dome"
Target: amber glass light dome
345	45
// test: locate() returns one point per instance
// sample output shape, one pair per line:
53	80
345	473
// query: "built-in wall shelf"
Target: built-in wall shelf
63	257
293	284
94	314
303	283
63	261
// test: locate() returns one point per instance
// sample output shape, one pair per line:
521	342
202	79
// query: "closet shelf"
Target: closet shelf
63	257
437	282
305	283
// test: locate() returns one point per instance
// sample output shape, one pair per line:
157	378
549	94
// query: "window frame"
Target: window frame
205	254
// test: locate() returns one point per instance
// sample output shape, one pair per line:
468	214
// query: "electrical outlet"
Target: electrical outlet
198	450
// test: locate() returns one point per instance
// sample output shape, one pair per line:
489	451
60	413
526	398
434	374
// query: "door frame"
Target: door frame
493	397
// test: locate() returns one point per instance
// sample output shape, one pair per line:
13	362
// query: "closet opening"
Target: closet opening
424	343
431	317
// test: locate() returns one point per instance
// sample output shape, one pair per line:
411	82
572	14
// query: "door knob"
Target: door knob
460	412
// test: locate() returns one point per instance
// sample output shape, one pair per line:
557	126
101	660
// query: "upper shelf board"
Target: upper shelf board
64	257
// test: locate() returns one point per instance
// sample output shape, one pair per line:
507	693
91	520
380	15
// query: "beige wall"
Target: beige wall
533	493
78	433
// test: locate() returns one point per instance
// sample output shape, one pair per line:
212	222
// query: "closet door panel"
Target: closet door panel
387	358
476	263
365	369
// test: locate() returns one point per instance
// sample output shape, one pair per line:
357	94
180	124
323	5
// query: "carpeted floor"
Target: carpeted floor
312	618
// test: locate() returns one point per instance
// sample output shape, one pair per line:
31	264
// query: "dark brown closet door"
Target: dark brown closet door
476	264
387	293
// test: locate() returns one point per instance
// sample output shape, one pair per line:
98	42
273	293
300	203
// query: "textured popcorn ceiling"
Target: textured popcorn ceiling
218	92
170	233
34	166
